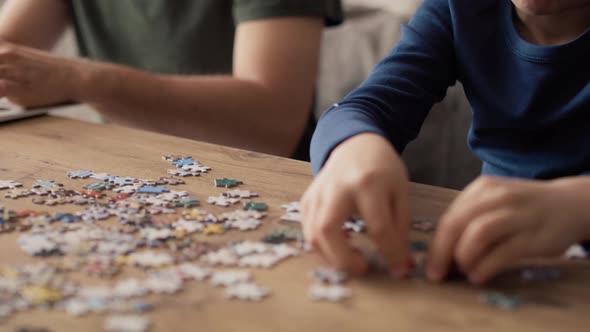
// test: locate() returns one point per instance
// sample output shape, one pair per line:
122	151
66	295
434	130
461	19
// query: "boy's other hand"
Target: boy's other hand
363	177
495	223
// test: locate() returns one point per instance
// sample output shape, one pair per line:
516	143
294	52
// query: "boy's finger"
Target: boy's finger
335	247
469	205
7	73
402	211
501	257
480	235
308	210
377	211
332	239
4	87
442	249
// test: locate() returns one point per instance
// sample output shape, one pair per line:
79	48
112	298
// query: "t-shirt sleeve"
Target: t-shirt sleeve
248	10
396	98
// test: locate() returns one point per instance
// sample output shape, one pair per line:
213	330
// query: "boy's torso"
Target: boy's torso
531	103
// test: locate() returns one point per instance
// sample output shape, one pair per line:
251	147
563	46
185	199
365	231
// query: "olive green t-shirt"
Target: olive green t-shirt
187	37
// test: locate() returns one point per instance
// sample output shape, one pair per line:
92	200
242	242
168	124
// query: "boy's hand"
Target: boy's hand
363	177
32	78
496	223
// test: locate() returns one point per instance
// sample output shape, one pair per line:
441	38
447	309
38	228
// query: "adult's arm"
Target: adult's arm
33	23
264	106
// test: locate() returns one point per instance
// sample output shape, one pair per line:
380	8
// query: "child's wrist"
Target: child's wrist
575	191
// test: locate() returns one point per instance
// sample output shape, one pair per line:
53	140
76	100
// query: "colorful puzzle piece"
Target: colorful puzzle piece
227	183
256	206
80	174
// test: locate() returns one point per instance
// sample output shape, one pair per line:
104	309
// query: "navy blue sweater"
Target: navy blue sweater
531	104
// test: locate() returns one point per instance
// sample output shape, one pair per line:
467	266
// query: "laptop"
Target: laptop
10	112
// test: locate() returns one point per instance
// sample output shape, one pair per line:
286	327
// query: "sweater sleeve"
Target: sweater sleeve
396	98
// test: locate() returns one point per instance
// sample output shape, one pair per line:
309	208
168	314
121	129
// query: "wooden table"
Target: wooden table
45	148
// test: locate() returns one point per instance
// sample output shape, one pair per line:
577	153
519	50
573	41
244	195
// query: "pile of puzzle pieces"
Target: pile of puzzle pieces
153	234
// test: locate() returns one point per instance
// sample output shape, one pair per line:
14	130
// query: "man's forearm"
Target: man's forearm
264	106
221	109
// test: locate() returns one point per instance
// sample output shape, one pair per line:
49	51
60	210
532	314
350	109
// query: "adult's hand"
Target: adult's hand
30	77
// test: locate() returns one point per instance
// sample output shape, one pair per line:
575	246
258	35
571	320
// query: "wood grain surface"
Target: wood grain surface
45	148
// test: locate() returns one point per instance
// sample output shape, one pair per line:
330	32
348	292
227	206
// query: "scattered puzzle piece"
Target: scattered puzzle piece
9	184
199	215
185	202
247	292
172	181
182	173
250	247
126	323
67	217
189	226
152	190
230	277
576	252
248	224
227	183
327	275
194	272
259	261
213	229
164	282
223	256
355	225
294	217
222	201
241	215
284	251
256	206
173	157
102	176
41	191
292	207
240	194
187	161
81	174
500	300
196	168
122	181
150	259
92	194
99	186
17	193
40	295
51	185
424	226
283	235
332	293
